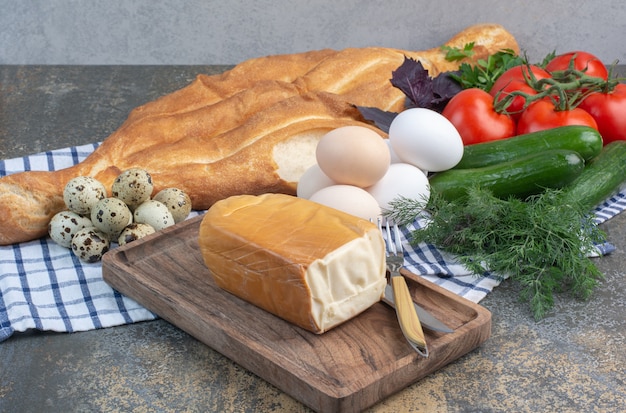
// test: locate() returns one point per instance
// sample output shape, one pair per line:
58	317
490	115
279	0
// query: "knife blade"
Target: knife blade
428	320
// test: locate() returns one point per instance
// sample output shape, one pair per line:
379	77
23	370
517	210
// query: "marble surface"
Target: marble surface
227	32
571	361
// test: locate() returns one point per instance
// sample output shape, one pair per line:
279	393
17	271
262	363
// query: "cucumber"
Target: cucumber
520	177
601	178
583	139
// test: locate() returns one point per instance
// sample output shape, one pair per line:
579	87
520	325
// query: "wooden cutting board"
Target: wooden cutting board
347	369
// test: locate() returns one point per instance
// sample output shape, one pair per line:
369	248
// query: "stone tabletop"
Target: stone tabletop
574	360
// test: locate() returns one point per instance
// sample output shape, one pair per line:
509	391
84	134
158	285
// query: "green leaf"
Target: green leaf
454	54
485	72
539	243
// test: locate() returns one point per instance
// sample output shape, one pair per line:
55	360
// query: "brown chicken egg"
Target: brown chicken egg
353	155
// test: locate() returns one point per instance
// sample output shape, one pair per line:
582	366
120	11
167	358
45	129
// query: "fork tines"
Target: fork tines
393	243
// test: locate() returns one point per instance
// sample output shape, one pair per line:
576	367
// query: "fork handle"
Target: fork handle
407	317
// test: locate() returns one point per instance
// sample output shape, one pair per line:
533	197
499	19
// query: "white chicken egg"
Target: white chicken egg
401	180
350	199
394	157
353	155
426	139
312	180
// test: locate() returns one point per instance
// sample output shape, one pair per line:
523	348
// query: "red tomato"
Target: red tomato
582	61
609	112
518	73
541	115
516	104
515	79
471	111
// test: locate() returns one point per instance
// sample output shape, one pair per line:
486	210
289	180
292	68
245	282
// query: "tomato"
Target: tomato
542	115
520	73
516	104
590	64
516	79
471	111
609	112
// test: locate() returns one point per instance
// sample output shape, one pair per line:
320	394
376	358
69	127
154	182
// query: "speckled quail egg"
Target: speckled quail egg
177	201
154	213
133	186
64	225
133	232
111	216
81	193
89	245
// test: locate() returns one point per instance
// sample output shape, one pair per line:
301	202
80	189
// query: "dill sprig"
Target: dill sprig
541	242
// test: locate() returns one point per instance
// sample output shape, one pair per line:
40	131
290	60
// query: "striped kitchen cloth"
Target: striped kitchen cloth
44	286
445	270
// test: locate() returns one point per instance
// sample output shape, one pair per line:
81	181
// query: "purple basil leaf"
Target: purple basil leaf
413	80
381	118
444	88
421	90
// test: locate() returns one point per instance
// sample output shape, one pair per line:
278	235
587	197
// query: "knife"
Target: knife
428	320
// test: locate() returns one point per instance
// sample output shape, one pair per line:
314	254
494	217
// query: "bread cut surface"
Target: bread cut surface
309	264
250	130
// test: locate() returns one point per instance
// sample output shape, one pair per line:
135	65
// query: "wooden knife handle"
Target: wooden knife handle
407	317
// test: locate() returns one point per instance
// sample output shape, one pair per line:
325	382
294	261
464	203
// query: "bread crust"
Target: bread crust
215	137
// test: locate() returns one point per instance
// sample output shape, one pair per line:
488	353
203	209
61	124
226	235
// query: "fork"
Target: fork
407	317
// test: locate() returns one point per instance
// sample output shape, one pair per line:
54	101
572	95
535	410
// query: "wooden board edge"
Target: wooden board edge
477	330
230	347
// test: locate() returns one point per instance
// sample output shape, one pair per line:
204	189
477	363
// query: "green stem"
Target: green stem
565	88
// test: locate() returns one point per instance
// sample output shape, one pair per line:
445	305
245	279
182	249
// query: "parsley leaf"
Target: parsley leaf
454	54
484	72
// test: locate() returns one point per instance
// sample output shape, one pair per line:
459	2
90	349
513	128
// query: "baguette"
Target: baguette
250	130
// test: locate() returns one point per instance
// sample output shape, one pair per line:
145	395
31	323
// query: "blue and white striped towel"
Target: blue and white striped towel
44	287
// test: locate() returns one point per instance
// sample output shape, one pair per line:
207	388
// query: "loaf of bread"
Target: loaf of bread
250	130
309	264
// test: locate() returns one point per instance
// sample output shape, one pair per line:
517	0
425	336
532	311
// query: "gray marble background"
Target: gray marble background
229	31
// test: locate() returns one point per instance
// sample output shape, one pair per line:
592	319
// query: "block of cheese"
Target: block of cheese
306	263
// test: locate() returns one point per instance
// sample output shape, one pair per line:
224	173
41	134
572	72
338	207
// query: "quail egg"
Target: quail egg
81	193
133	232
133	186
153	213
89	245
111	216
64	225
177	201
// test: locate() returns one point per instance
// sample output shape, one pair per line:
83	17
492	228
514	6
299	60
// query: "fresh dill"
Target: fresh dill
541	243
